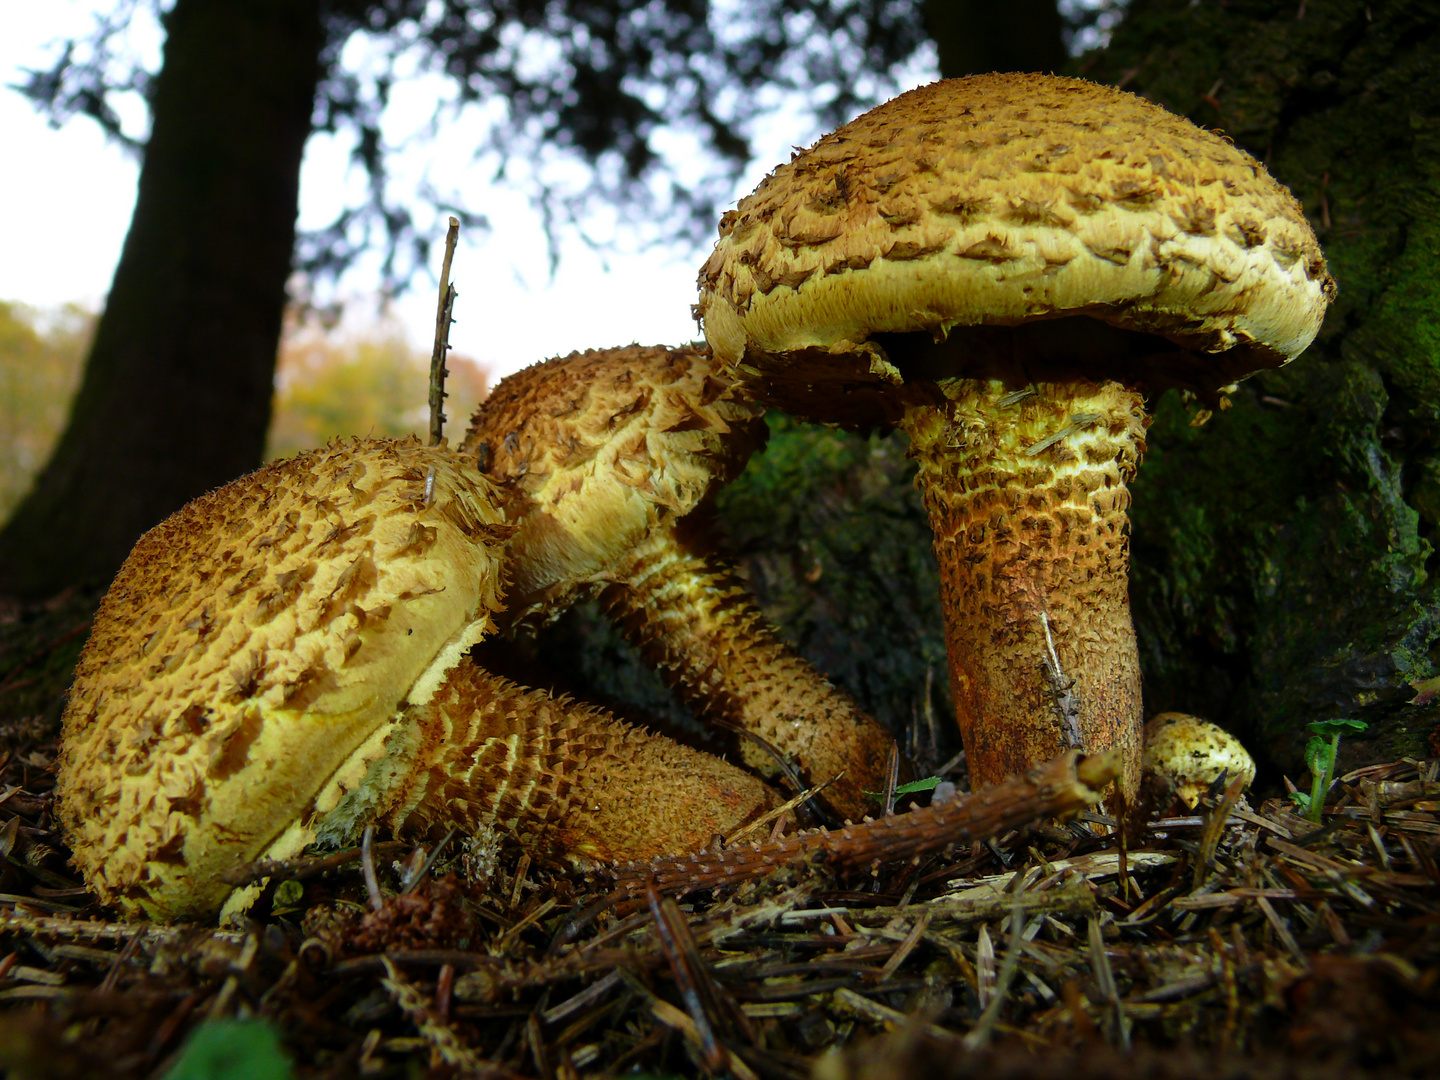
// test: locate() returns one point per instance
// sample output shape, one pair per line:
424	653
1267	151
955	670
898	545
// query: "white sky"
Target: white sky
68	196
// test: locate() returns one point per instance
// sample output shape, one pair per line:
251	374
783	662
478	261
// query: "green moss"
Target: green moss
1402	337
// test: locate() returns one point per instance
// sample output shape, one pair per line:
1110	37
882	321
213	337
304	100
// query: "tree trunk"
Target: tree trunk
176	394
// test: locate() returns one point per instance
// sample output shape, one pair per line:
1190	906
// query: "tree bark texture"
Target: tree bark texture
176	394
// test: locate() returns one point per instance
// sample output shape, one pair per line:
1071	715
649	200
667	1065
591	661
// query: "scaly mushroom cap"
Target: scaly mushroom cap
601	446
997	200
251	643
1192	753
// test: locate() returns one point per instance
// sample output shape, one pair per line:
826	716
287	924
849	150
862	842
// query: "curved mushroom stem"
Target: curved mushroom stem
697	623
565	780
1027	498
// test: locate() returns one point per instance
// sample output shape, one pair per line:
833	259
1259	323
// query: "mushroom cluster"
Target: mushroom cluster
1005	267
286	660
612	458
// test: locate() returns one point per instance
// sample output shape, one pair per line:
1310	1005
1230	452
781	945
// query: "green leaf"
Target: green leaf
917	785
232	1050
1318	756
908	789
1328	728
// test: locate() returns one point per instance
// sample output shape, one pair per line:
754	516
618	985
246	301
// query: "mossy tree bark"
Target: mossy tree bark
178	384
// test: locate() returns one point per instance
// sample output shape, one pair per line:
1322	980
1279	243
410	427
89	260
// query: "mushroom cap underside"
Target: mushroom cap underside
599	446
249	644
1003	199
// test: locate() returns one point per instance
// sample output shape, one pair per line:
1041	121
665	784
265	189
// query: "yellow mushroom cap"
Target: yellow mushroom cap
602	445
999	200
1193	753
250	644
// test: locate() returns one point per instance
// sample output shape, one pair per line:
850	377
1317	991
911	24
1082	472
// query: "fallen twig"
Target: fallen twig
1063	786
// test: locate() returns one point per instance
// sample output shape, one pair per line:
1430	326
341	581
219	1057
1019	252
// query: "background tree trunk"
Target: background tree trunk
176	394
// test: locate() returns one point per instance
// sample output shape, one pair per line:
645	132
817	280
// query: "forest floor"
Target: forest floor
1229	941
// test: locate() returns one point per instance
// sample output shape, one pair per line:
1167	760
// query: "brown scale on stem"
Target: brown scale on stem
565	780
613	456
1032	534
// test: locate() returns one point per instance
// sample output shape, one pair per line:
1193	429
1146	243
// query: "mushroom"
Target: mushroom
613	457
284	660
1191	754
1006	266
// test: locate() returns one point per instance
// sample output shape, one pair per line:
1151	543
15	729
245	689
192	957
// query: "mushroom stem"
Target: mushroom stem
697	623
1027	499
565	780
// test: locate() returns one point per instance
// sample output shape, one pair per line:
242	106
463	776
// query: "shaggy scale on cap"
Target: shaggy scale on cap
1001	199
248	646
600	448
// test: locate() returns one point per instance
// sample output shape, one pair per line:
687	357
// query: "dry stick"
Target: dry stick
412	884
673	934
1062	690
1105	978
443	315
299	869
892	779
443	1039
367	865
980	1035
1063	786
